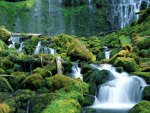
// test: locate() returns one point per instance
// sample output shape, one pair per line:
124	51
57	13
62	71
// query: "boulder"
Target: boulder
146	93
128	64
63	106
4	34
142	107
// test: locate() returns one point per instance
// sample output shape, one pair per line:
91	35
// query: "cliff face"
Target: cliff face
51	17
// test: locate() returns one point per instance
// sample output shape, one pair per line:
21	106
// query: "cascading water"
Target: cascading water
15	40
123	12
107	52
76	71
122	92
21	47
43	50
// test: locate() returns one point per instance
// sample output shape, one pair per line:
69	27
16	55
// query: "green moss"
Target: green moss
33	81
43	72
142	107
79	51
40	102
16	79
4	108
4	34
128	64
2	46
65	106
144	43
88	100
146	93
5	85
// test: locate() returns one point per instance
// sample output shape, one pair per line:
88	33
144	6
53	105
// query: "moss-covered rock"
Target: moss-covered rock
128	64
16	78
143	43
4	34
4	108
144	75
142	107
43	72
63	106
146	93
2	46
88	100
5	85
40	102
33	81
78	50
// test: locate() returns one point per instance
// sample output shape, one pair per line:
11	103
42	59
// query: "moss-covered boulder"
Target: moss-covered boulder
4	108
143	42
22	97
4	34
2	46
33	81
66	88
88	100
5	85
142	107
128	64
144	75
40	102
77	50
16	78
63	106
146	93
43	72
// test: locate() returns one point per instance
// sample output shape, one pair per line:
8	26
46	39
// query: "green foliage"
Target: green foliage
5	85
128	64
63	106
142	107
4	34
4	108
146	93
33	81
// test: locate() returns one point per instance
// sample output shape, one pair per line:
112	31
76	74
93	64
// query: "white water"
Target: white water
122	92
15	40
43	50
107	52
122	12
76	71
21	47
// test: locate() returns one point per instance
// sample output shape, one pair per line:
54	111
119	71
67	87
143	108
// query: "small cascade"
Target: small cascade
43	50
121	92
16	39
76	71
123	12
28	106
107	52
21	47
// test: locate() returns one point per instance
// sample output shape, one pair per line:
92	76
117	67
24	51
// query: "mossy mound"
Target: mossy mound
5	85
63	106
128	64
40	102
74	48
78	50
43	72
4	34
33	81
146	93
4	108
144	43
2	46
142	107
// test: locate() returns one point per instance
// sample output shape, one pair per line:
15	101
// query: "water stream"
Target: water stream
119	94
76	71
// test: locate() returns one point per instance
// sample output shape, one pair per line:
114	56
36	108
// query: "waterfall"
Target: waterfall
14	40
76	71
56	19
121	92
122	12
107	52
21	47
43	50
